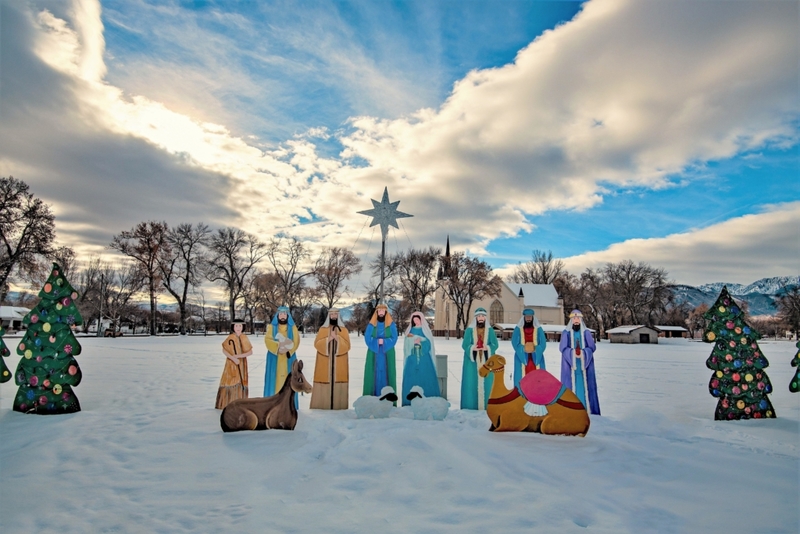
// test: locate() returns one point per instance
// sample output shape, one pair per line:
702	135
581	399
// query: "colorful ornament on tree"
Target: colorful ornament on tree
48	369
5	374
794	385
739	380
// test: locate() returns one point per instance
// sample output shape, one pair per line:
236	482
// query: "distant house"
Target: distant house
671	331
11	316
632	334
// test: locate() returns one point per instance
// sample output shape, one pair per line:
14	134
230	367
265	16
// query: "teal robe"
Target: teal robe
469	370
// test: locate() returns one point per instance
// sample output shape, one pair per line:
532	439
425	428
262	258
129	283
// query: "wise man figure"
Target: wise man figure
381	337
331	374
577	362
234	383
282	339
479	343
529	342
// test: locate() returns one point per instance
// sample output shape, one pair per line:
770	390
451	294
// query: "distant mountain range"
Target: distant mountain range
760	295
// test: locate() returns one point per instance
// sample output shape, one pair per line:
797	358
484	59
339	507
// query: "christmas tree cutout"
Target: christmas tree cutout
739	379
48	369
5	374
794	385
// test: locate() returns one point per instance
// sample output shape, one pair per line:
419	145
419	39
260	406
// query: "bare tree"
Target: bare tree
598	305
286	257
569	289
391	288
541	269
789	307
696	320
233	254
359	319
87	284
181	263
146	243
119	287
266	293
38	272
334	266
305	297
639	289
467	280
27	230
415	272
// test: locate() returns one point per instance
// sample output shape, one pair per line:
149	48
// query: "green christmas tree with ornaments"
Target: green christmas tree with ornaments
5	374
739	380
794	385
48	369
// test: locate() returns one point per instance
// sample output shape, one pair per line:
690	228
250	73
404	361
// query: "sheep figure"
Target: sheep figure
427	408
371	407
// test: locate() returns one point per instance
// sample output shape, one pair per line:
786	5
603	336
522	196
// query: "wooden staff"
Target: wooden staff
232	343
333	348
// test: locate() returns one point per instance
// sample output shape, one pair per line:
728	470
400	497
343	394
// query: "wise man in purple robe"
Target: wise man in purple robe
577	362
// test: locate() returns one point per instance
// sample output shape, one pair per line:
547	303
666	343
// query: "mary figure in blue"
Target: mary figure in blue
419	364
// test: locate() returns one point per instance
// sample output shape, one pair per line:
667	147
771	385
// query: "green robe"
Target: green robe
389	341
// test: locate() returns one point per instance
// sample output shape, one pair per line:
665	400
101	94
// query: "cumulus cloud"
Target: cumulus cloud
740	250
626	94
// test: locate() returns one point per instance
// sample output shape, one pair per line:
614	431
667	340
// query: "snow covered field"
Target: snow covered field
146	454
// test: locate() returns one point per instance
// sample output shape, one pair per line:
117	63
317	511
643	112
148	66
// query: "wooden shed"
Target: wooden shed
671	331
632	334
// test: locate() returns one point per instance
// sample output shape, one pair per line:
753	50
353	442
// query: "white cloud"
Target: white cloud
626	94
740	250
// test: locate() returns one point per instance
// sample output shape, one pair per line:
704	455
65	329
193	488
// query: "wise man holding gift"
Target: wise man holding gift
529	342
577	362
282	340
332	371
479	343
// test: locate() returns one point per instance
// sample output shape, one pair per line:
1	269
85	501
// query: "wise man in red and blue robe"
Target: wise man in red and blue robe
529	342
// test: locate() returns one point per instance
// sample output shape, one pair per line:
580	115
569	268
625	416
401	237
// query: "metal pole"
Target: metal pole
383	260
100	317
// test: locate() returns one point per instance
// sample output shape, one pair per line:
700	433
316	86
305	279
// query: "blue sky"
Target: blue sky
664	132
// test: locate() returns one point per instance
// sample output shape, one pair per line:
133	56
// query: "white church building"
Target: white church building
505	309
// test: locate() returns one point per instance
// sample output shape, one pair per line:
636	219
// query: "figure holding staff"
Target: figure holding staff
331	373
234	382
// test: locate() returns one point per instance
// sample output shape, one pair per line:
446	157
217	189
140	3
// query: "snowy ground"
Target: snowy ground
146	454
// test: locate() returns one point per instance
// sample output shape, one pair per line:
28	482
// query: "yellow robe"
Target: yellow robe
327	395
234	382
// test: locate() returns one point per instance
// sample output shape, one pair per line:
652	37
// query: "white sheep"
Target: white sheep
371	407
426	408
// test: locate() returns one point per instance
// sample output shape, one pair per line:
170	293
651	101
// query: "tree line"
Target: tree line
259	276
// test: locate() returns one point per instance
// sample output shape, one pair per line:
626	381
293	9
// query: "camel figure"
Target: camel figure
565	415
264	413
506	408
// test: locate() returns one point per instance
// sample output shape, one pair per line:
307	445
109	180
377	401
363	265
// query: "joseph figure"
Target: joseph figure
331	373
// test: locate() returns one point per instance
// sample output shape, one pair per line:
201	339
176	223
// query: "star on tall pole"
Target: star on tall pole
384	213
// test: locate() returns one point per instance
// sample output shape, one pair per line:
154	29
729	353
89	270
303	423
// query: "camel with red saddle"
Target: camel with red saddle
541	404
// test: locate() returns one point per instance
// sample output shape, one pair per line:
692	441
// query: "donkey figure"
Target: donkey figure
264	413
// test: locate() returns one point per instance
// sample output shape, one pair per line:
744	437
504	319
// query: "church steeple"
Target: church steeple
444	266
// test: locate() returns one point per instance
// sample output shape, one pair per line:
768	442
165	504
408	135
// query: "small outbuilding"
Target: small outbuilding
11	317
671	331
632	334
